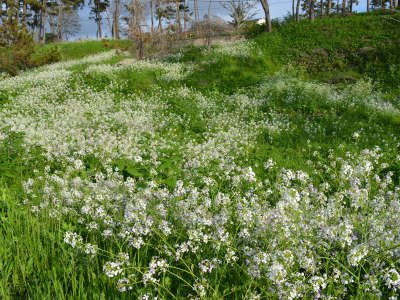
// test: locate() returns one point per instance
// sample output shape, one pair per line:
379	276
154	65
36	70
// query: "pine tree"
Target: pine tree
16	43
97	10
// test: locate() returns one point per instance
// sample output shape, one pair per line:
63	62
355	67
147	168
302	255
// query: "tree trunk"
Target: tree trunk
343	7
298	11
24	12
196	11
322	8
99	33
36	29
18	9
178	17
9	9
40	22
351	6
44	21
140	44
312	11
53	28
268	23
59	20
131	24
116	20
293	9
184	17
368	5
329	6
158	7
151	16
209	27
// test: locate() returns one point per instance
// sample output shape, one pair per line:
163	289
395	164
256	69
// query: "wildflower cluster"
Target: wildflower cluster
170	186
238	49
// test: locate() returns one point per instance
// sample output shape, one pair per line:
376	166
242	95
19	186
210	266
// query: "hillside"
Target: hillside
332	50
338	48
221	175
80	49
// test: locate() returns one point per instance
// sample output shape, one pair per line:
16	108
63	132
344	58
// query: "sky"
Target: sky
278	9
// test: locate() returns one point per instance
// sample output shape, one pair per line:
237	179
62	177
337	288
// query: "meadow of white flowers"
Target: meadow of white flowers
174	210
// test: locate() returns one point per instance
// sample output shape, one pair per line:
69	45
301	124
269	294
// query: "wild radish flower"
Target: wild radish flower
357	254
318	283
78	164
123	257
90	249
157	265
206	266
249	175
112	269
269	164
291	198
392	279
27	185
137	159
107	233
123	285
148	296
277	273
230	256
201	287
346	171
73	239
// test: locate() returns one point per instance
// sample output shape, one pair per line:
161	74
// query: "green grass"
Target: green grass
36	264
334	46
329	50
79	49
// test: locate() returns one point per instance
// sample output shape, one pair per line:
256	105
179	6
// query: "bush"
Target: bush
51	37
12	60
49	56
16	48
254	29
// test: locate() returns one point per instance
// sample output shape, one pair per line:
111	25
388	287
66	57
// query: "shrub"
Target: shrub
49	56
16	48
51	37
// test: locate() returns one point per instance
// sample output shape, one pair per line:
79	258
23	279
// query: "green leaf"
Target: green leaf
165	165
134	172
170	182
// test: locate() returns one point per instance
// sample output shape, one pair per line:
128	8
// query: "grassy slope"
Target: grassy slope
35	262
329	50
79	49
342	41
